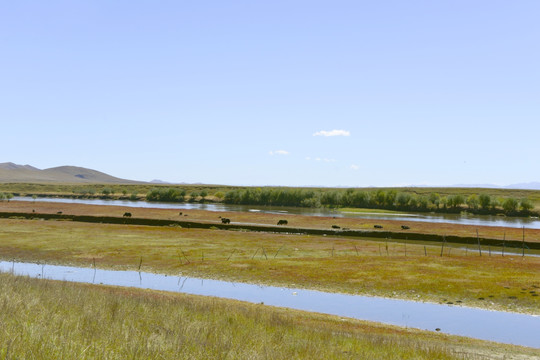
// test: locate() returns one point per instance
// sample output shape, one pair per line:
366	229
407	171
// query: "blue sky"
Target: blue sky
251	92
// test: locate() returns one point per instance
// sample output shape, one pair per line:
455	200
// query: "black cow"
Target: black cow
225	221
127	214
404	227
59	213
377	226
180	213
282	222
335	227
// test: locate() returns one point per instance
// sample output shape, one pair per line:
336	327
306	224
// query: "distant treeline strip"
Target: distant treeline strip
379	199
465	240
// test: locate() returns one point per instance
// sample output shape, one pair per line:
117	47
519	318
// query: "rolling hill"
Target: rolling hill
13	173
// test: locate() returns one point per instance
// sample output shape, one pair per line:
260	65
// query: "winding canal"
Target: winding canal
504	327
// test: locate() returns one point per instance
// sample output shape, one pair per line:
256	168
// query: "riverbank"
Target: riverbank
513	203
427	231
66	320
452	320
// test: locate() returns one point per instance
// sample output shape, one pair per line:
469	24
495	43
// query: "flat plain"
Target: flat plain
417	270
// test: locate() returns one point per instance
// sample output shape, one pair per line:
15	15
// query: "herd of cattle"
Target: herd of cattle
280	222
285	222
403	227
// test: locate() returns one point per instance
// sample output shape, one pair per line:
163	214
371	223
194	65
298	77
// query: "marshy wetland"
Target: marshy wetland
455	320
453	275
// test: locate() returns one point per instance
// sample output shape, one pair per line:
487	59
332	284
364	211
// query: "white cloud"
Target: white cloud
279	152
332	133
308	158
355	167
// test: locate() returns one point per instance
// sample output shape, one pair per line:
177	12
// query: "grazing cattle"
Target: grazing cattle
33	210
282	222
127	214
59	213
377	226
225	221
180	213
335	227
404	227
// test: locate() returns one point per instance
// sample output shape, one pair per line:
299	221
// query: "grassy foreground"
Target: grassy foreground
44	319
409	270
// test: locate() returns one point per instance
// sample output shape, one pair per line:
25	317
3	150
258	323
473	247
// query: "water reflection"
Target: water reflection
497	326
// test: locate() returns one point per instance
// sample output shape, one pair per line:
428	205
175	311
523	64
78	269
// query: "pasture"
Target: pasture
257	218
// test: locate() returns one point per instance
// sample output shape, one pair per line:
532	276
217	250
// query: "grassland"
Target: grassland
67	320
44	319
411	270
68	190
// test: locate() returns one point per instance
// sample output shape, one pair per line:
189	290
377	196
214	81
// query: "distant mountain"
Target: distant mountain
535	185
481	186
521	186
12	166
157	181
13	173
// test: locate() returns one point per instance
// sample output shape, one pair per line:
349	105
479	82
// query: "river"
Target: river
478	220
504	327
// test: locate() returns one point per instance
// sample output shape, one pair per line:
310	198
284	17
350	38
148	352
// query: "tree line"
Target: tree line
381	199
6	196
175	195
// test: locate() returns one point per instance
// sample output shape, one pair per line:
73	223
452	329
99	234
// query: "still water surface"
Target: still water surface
496	326
480	220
